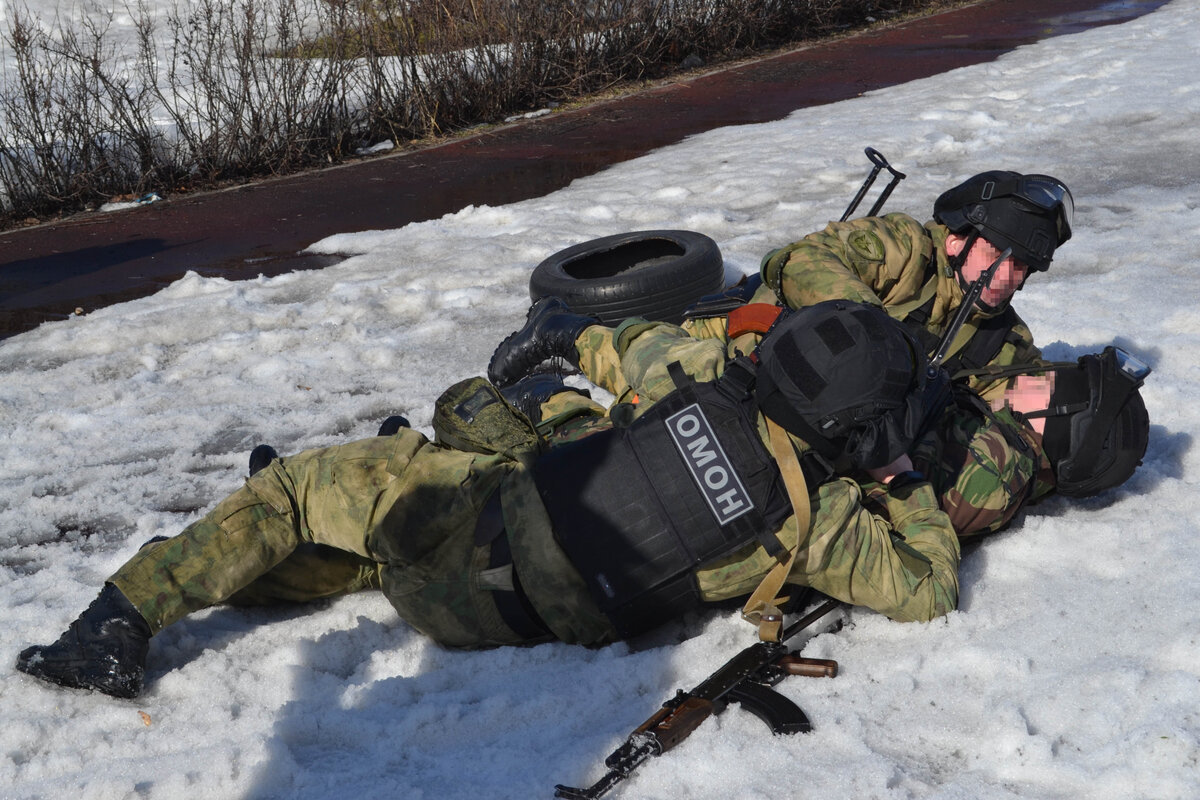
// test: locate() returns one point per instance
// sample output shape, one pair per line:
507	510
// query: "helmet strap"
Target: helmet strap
956	264
1103	411
956	261
1058	411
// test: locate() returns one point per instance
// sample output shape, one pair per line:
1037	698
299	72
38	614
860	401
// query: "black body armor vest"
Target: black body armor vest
637	509
991	335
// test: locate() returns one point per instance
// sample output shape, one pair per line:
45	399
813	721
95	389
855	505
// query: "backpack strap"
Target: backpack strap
915	316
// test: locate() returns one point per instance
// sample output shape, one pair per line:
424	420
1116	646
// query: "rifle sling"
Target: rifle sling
762	608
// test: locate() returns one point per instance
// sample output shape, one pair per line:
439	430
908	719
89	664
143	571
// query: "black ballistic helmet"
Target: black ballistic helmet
850	381
1097	427
1032	214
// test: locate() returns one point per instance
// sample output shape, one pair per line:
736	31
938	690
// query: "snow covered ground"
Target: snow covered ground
1072	669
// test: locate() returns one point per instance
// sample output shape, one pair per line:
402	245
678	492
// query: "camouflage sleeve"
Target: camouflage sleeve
743	344
602	352
906	569
876	260
707	327
982	479
600	362
904	565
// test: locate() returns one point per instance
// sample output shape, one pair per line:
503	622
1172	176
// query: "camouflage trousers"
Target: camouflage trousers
600	359
395	513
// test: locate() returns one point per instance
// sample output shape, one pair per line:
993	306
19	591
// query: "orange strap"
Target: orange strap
752	318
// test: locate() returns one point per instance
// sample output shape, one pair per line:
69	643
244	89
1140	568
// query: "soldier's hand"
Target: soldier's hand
885	474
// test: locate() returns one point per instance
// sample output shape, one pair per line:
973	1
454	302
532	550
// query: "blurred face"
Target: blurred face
1030	393
1008	278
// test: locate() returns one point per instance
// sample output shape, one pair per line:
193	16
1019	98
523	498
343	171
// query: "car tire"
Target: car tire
650	274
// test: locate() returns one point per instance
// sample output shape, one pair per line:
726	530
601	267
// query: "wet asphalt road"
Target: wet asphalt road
94	260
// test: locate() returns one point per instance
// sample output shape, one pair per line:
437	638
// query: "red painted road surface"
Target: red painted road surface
98	259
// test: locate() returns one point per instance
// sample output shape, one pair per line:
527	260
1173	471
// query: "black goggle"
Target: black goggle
1042	191
1045	192
1131	366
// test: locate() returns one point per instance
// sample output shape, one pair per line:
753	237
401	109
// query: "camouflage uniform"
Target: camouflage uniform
600	361
403	514
400	513
894	262
900	559
983	469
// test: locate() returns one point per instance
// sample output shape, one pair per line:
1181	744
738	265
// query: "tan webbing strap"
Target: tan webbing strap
961	340
762	608
901	310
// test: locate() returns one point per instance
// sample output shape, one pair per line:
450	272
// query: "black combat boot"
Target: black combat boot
393	425
260	457
530	392
105	649
550	331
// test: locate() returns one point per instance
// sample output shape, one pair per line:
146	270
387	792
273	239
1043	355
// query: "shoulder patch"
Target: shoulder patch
866	244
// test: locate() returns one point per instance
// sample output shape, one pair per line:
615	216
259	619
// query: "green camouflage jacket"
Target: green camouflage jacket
977	464
890	261
902	562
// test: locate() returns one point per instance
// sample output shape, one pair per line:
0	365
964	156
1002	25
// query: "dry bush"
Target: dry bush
74	131
227	90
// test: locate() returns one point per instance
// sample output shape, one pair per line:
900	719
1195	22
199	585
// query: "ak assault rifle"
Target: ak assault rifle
880	163
746	678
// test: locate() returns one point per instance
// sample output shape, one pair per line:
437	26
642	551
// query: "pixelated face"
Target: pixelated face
1009	277
1030	393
